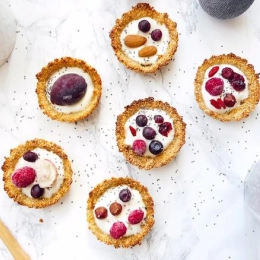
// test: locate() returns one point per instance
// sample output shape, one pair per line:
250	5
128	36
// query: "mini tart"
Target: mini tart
8	168
246	105
127	241
169	153
139	11
52	67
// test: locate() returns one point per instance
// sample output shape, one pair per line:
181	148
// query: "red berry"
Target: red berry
165	128
229	100
101	212
215	104
227	73
158	119
221	103
136	216
215	86
117	230
213	71
237	76
238	85
139	146
133	130
23	177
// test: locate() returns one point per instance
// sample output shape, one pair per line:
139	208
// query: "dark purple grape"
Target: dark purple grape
155	147
30	156
125	195
156	35
158	119
68	89
238	85
149	133
141	120
36	191
144	26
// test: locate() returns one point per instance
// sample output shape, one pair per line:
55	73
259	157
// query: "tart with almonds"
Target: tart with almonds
227	87
37	174
68	89
143	39
120	212
150	133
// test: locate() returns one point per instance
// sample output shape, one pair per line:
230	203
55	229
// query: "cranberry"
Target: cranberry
101	212
158	119
155	147
213	71
215	86
115	208
227	73
165	128
229	100
144	26
149	133
141	120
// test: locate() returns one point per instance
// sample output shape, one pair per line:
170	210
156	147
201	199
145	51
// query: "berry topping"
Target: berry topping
158	119
101	212
36	191
115	208
165	128
135	216
68	89
144	26
215	104
149	133
139	147
125	195
46	173
229	100
221	103
132	130
23	177
213	71
227	73
117	230
215	86
30	156
237	76
156	35
238	85
155	147
141	120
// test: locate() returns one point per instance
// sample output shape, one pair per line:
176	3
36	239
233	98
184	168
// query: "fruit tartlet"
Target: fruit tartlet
68	89
37	174
150	133
143	39
120	212
227	87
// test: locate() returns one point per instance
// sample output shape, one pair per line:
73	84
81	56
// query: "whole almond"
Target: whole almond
133	40
147	51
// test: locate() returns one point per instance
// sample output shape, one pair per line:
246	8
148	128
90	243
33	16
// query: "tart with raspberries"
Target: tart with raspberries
37	174
227	87
150	133
68	89
120	212
143	39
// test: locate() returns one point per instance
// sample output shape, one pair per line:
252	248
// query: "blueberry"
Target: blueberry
144	26
155	147
156	35
36	191
149	133
125	195
30	156
141	120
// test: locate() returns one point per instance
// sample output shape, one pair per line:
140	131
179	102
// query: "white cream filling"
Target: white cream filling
150	113
227	89
162	45
112	195
81	104
55	159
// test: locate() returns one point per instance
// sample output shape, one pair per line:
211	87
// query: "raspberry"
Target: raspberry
117	230
135	216
139	147
213	71
23	177
214	86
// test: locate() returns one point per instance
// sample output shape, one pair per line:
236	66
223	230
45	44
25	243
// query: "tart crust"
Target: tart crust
246	105
100	189
8	168
43	77
168	154
137	12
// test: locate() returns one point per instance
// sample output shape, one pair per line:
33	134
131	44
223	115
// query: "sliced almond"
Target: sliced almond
133	40
147	51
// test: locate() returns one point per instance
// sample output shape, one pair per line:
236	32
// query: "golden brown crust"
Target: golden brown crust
8	168
144	162
247	105
43	77
124	241
137	12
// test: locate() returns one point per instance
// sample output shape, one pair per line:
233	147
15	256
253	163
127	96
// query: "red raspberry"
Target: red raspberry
139	147
23	177
214	86
117	230
136	216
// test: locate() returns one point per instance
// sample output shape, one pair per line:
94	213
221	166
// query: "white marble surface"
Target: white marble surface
199	205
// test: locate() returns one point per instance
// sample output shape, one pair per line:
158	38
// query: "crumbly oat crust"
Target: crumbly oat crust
137	12
247	105
43	77
100	189
145	162
9	166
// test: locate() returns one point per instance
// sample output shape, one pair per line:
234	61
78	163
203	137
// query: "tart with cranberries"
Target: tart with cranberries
227	87
150	133
120	212
37	174
68	89
143	39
